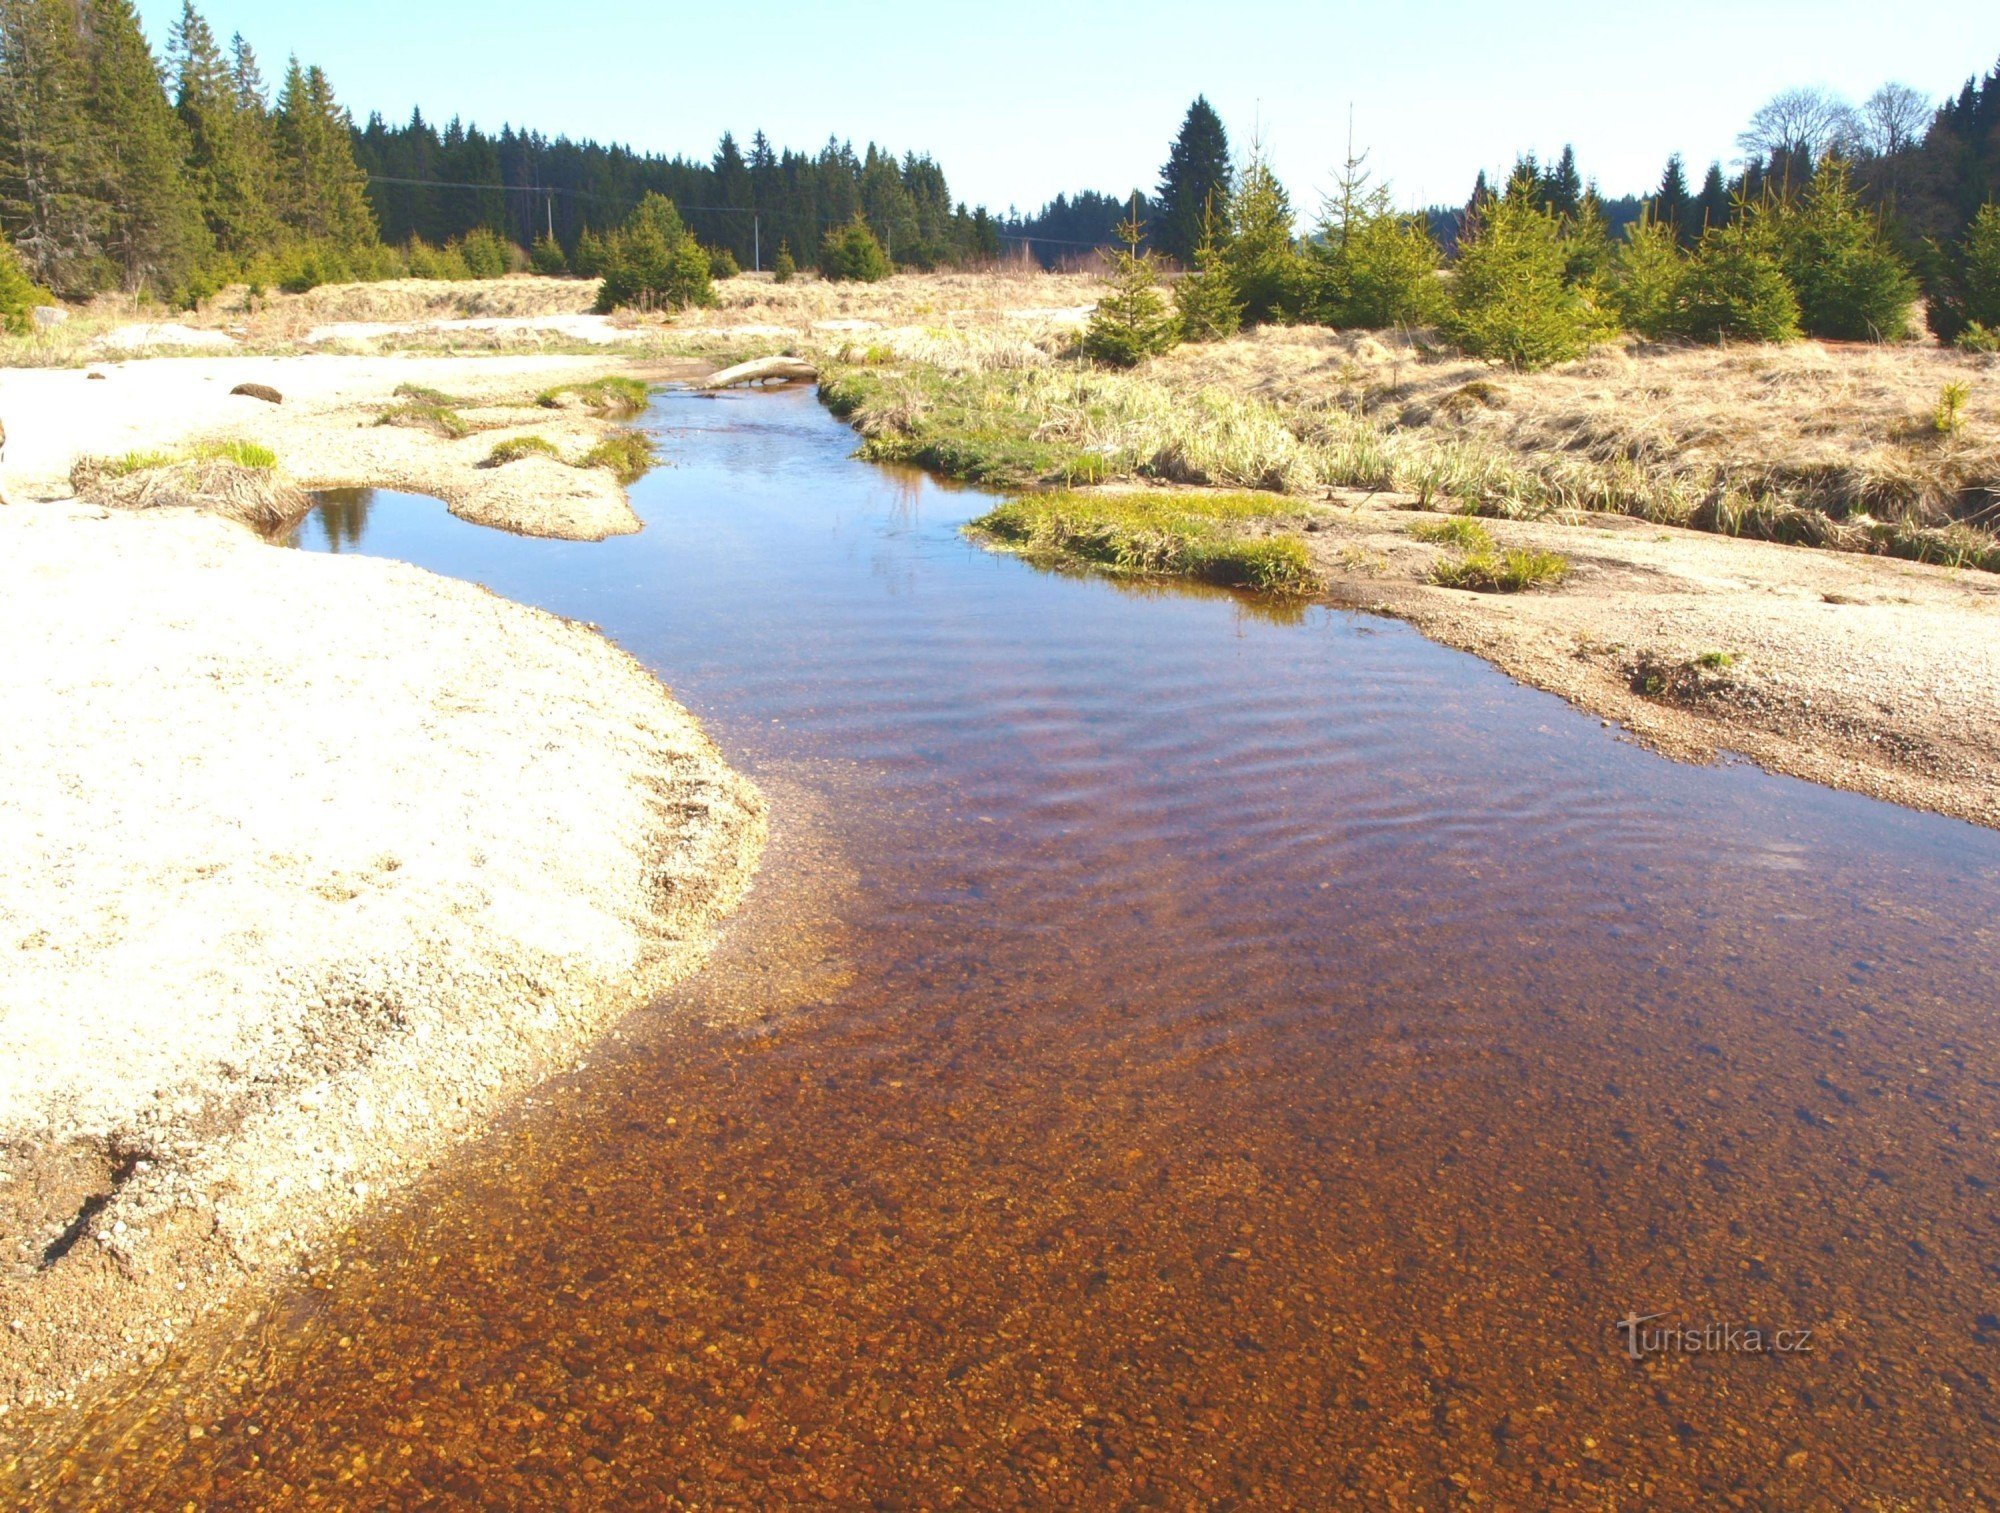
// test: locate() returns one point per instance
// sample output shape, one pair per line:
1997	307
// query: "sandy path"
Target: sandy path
1866	673
306	862
325	433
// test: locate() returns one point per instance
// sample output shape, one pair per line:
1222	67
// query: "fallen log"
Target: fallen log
762	370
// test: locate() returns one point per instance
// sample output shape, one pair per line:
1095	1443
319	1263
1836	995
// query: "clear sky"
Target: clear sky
1022	98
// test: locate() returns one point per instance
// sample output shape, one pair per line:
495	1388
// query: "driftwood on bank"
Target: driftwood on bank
762	370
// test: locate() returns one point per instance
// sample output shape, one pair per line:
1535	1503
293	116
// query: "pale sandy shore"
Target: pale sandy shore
1871	674
326	432
306	864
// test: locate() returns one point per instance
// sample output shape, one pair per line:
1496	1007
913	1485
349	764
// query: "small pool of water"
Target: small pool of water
1177	1053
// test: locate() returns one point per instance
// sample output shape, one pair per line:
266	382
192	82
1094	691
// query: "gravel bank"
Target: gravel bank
306	864
325	433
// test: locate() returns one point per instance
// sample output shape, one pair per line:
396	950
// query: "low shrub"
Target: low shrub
722	263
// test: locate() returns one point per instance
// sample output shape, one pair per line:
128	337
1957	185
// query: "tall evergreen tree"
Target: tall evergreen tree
1673	206
1711	206
48	149
155	235
227	164
323	192
1197	173
1562	185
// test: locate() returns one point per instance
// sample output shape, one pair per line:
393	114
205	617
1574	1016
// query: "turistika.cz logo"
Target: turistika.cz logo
1642	1337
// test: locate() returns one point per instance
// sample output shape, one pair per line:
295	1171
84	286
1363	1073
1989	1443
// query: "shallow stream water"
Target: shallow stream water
1175	1054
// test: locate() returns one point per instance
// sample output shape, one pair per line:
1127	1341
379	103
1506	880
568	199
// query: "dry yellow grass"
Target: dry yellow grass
1845	428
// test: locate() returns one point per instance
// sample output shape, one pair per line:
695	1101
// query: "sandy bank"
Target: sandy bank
325	432
1866	673
306	863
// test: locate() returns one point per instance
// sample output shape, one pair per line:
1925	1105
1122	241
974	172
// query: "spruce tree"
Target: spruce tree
1370	267
18	294
226	164
1196	174
1132	322
1509	298
324	193
1672	207
1204	299
784	267
49	149
852	252
1647	279
1733	288
1586	236
1711	206
1263	264
1562	185
1851	283
155	234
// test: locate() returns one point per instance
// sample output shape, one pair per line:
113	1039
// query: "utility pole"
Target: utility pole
551	203
756	242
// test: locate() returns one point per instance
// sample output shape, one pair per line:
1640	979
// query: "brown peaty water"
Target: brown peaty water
1175	1056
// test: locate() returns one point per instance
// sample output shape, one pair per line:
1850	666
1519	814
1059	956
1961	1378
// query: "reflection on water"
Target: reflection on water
1171	1058
338	521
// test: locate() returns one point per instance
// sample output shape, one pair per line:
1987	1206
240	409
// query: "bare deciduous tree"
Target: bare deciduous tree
1893	120
1808	122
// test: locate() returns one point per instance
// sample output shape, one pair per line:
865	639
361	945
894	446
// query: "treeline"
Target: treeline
1839	219
523	185
118	173
175	176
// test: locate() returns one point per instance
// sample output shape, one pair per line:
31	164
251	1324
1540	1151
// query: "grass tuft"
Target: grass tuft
1188	535
517	447
1460	531
610	395
628	454
426	415
1502	573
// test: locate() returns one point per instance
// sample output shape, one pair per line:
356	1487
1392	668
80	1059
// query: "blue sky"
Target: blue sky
1024	98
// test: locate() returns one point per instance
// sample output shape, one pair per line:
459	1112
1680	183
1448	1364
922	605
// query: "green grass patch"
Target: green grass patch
137	462
1510	572
1203	536
245	454
517	447
426	415
627	453
1715	661
1460	531
611	395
